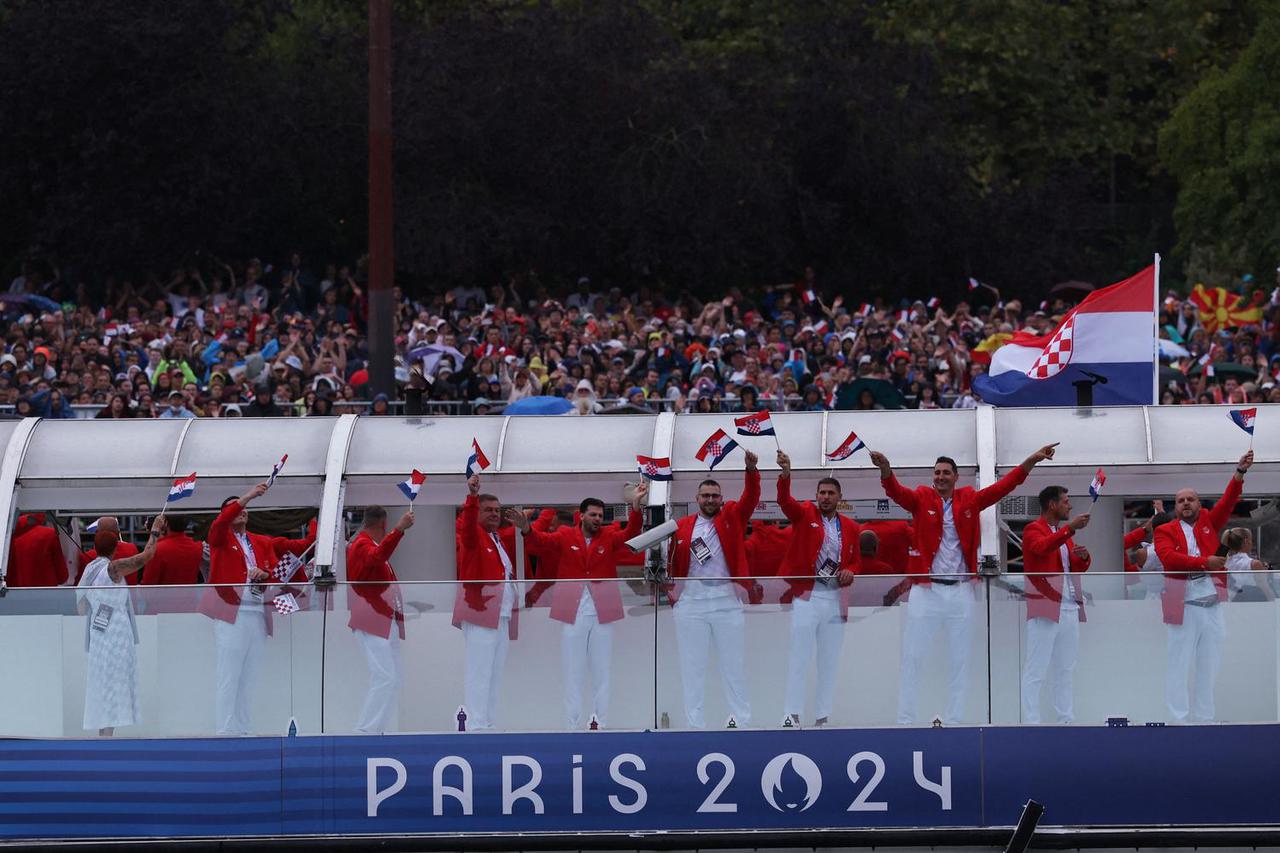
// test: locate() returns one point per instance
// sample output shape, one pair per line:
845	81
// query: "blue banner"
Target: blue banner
641	782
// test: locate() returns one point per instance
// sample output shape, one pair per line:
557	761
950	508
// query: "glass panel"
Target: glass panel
1178	435
909	439
258	444
576	443
122	449
464	662
384	445
1089	437
148	662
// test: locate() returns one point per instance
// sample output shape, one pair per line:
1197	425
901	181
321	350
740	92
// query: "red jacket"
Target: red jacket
1040	553
595	565
1133	539
374	606
925	505
1171	548
896	538
479	599
177	561
731	528
35	554
123	549
806	541
547	568
227	564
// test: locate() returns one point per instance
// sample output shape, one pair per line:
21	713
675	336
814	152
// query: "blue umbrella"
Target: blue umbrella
33	300
538	406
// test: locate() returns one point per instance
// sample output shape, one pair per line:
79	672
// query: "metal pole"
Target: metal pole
381	213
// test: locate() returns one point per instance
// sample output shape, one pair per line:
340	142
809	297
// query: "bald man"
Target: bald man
1194	589
123	549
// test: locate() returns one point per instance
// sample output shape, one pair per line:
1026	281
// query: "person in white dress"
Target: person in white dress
111	635
1244	585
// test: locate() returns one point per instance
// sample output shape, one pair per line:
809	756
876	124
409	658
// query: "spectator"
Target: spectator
177	407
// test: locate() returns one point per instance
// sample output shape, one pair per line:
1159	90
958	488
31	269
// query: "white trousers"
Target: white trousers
482	679
815	621
1052	647
239	653
1198	639
700	622
385	677
586	643
932	606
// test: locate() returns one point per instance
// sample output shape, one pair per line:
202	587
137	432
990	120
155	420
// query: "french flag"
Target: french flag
184	488
865	310
654	468
808	296
411	486
275	470
1095	488
1242	418
1109	334
847	448
934	303
477	459
757	424
974	284
898	335
717	447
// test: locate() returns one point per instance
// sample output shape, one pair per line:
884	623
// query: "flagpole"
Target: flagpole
1155	341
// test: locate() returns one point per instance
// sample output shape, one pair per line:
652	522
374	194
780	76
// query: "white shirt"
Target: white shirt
251	601
950	559
508	589
1200	587
708	578
830	550
586	604
1068	588
1240	565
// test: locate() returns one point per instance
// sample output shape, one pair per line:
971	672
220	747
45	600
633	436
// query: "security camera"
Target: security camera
652	536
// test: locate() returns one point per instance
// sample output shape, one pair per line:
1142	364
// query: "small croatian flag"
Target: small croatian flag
1095	488
654	468
756	424
716	448
411	486
808	296
1244	418
286	604
275	470
93	526
847	448
286	568
183	488
973	284
477	459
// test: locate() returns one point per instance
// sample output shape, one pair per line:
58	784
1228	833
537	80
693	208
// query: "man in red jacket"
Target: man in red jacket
707	553
485	603
123	551
944	554
825	552
1055	602
1194	588
587	597
35	554
240	563
375	603
177	561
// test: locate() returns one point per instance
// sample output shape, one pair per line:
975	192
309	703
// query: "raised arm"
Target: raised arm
750	497
221	527
791	508
118	569
1040	544
1221	512
895	491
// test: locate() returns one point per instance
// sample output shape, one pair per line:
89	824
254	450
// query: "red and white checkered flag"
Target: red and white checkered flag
1056	355
286	604
286	568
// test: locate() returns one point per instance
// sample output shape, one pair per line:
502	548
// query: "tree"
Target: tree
1223	145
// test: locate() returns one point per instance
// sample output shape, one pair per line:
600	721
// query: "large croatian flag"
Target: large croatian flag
1110	334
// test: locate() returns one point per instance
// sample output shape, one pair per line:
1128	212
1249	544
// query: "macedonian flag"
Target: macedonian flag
1220	309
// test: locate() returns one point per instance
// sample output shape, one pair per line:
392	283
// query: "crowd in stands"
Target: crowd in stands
264	340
